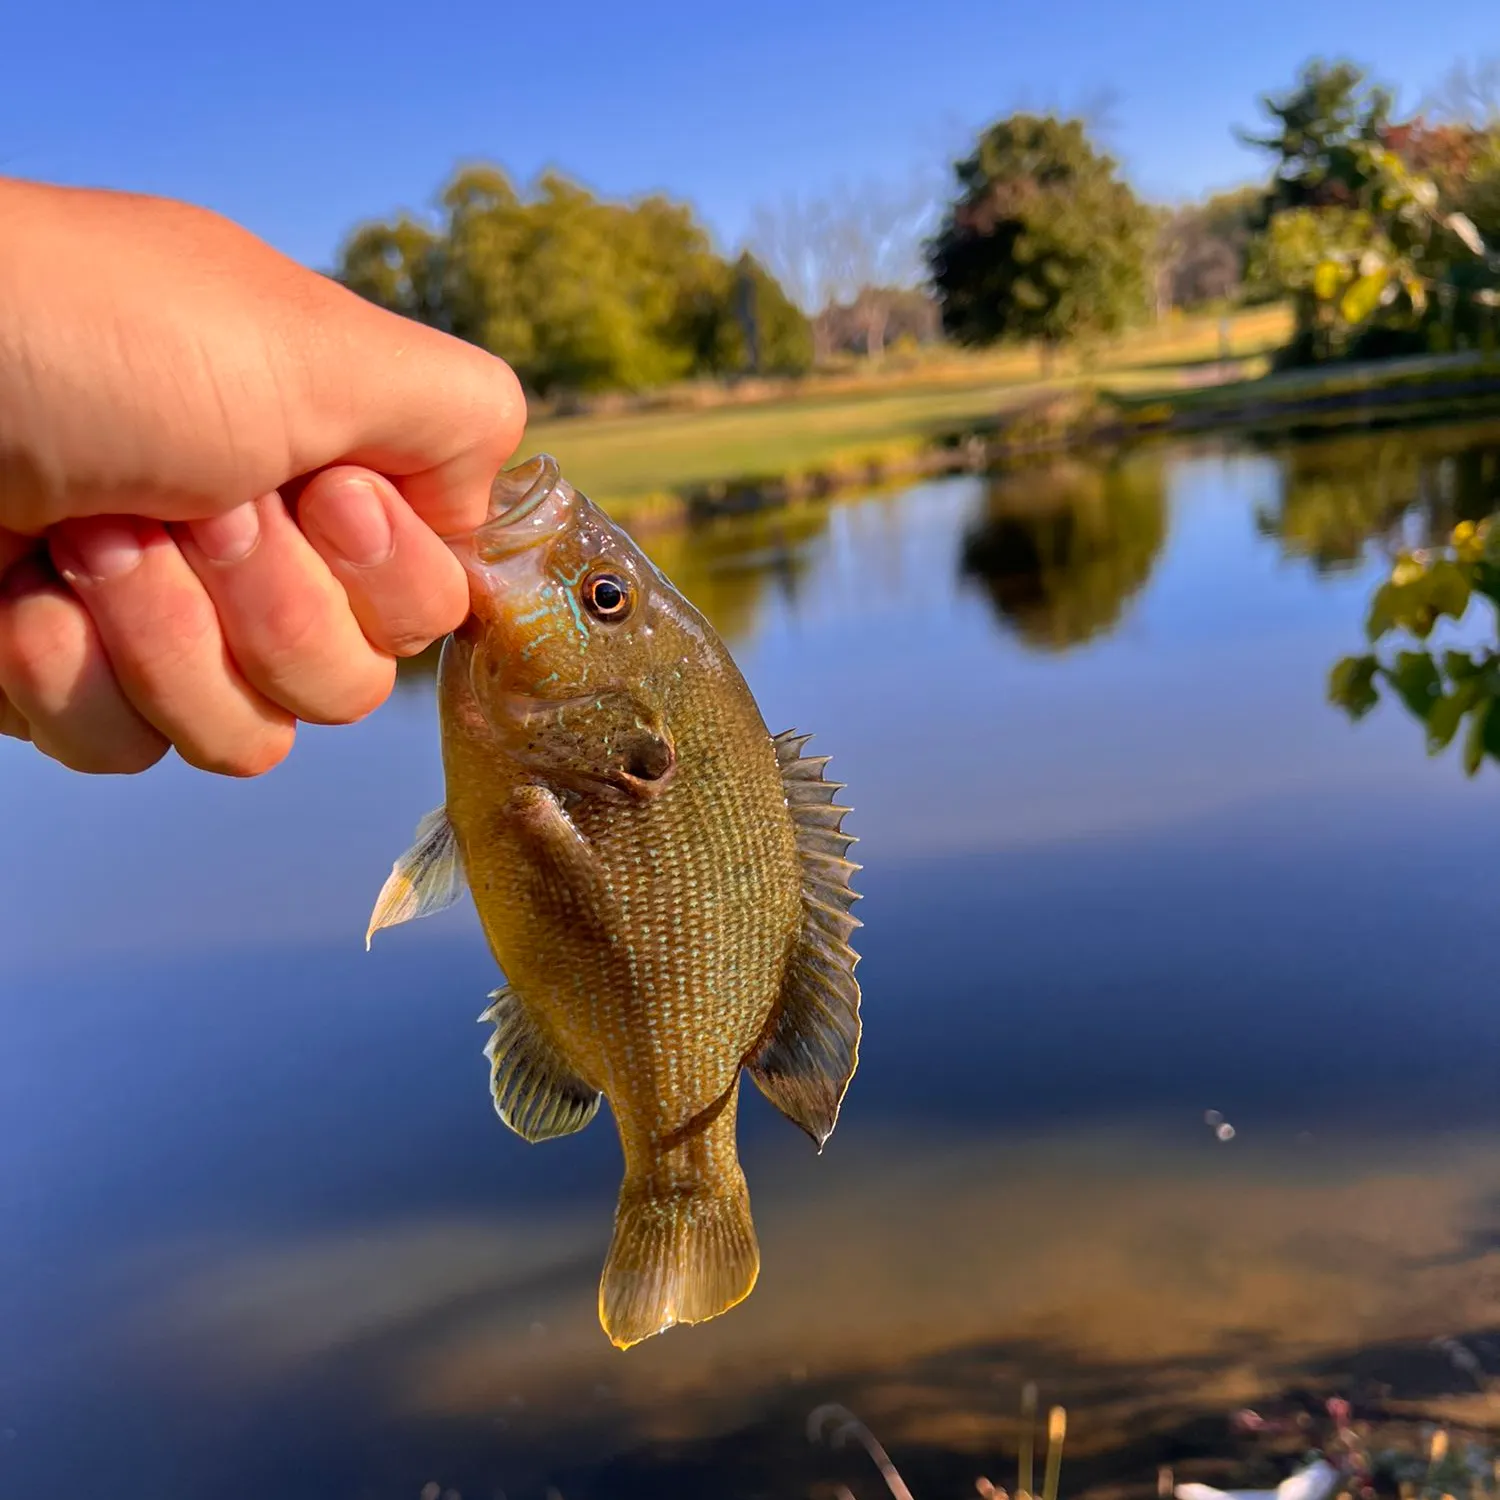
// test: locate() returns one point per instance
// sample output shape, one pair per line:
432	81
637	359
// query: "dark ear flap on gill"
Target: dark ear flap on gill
806	1062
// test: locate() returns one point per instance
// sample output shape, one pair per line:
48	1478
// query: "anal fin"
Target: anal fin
805	1063
535	1092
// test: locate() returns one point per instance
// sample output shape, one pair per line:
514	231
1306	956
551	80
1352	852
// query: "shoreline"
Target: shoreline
1094	418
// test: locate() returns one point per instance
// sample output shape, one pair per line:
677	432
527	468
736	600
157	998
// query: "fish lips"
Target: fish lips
528	505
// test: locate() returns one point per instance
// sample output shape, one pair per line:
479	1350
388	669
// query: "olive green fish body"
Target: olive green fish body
661	881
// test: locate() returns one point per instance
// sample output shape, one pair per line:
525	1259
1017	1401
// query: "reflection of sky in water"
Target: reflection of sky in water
263	1234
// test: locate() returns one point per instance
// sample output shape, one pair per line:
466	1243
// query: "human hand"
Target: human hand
224	480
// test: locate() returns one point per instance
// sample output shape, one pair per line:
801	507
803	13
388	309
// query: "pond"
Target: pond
1177	1090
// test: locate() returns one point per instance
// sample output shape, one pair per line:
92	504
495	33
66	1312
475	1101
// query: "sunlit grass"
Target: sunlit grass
620	458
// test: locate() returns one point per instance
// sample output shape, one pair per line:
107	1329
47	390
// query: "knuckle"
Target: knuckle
248	756
300	632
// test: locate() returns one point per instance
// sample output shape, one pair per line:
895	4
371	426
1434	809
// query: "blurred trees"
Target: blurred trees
1202	250
1373	226
1383	232
577	293
1043	240
848	257
904	316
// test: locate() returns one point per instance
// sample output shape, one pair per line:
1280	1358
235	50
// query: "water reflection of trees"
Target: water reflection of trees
728	568
1061	550
1342	495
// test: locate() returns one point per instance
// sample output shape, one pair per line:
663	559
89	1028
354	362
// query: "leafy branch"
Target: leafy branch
1447	691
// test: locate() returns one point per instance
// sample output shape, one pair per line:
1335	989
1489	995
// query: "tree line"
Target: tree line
1382	232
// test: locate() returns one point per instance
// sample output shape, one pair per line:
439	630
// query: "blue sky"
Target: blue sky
298	118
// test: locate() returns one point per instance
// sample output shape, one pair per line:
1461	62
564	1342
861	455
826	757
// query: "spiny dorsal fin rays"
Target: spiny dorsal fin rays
427	878
805	1064
534	1090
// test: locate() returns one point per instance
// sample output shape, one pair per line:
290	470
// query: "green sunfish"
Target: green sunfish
661	880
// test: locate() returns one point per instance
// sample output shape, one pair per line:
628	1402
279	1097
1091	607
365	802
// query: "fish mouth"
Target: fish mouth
520	515
649	766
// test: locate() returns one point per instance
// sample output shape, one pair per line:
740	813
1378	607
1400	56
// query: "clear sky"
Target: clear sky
298	118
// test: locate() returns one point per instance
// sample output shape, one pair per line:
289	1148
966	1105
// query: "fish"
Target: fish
663	883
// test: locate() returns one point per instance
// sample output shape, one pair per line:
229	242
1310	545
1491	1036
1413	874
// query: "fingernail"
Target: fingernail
230	537
97	550
351	517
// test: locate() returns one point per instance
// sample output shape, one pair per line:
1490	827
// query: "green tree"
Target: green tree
1364	223
577	293
767	332
400	266
1322	130
1043	239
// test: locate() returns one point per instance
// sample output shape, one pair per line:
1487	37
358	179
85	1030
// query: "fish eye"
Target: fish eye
608	596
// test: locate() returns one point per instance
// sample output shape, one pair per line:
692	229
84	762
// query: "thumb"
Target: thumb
438	416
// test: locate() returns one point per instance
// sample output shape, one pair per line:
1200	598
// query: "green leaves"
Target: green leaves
1416	679
1476	741
1445	691
1043	239
1381	231
1351	685
578	293
1363	295
1417	596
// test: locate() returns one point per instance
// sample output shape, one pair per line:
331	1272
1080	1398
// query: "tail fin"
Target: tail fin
679	1255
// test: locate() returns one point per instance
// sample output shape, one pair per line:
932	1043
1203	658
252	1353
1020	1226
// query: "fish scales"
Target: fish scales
662	882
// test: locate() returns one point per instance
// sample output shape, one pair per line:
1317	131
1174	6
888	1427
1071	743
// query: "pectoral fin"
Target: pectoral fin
812	1049
564	864
428	877
535	1092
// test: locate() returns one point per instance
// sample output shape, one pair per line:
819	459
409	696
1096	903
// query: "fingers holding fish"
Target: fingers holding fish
13	725
161	634
439	414
287	622
57	687
403	584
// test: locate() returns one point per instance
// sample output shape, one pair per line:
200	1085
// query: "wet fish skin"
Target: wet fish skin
663	884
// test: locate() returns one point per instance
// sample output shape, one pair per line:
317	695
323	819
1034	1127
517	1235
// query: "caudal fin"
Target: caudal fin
678	1256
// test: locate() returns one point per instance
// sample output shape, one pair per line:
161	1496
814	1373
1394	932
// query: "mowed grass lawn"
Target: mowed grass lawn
618	458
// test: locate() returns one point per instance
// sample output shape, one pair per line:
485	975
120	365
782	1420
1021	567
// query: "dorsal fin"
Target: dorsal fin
806	1061
536	1093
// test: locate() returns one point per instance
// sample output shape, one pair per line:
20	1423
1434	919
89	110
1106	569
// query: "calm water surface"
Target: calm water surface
262	1235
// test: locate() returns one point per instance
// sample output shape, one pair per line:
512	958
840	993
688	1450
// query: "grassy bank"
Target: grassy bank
823	432
810	438
1411	388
